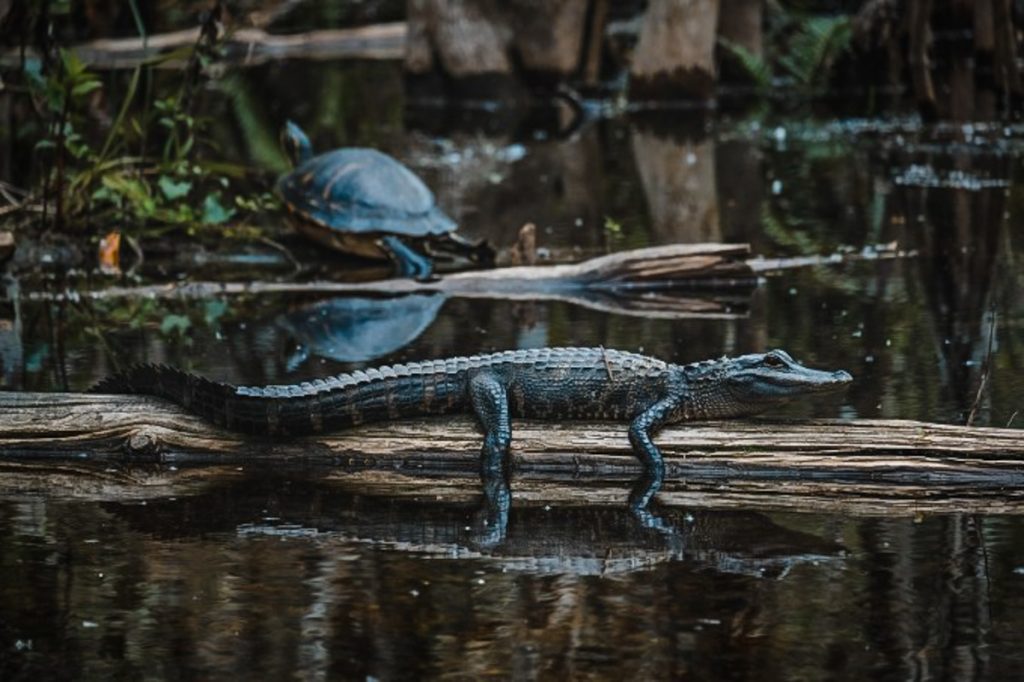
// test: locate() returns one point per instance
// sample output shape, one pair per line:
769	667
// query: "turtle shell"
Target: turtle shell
362	191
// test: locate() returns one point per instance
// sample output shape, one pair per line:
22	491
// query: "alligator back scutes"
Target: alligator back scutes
538	358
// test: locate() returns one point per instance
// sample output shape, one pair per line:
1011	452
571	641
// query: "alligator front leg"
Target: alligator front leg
640	431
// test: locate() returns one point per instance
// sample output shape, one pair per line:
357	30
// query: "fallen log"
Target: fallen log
243	47
641	282
673	281
134	446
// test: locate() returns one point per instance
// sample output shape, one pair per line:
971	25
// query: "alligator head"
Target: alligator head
750	384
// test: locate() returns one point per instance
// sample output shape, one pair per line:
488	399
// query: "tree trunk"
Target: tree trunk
674	57
487	48
919	14
984	59
594	46
740	23
458	47
1006	68
549	34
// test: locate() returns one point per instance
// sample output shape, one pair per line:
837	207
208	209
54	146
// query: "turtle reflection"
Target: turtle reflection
358	329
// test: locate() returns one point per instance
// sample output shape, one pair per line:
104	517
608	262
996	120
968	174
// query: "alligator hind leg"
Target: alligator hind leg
490	402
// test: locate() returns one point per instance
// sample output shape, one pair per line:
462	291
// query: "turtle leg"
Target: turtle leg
407	261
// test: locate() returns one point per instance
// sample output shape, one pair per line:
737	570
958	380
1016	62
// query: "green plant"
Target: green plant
814	46
802	47
755	66
145	173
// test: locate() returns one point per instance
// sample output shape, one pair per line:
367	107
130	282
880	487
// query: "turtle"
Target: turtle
363	202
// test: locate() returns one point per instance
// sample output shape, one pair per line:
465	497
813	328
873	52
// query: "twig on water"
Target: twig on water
985	367
284	250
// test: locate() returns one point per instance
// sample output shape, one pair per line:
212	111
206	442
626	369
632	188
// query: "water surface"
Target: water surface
278	576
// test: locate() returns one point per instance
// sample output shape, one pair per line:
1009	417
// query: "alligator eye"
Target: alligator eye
773	361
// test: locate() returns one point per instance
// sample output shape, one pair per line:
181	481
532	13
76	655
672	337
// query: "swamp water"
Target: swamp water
269	575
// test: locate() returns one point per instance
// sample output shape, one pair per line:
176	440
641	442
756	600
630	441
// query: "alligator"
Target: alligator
541	383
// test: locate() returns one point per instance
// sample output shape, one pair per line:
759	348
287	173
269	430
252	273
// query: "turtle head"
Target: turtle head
295	143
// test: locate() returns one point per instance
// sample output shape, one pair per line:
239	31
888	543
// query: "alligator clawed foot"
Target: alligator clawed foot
491	524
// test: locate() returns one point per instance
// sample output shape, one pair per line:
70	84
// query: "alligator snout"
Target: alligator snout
841	376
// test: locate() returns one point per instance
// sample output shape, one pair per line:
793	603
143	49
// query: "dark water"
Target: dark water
275	576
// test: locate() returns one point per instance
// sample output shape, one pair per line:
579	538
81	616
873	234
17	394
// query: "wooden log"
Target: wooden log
246	46
618	282
108	446
637	282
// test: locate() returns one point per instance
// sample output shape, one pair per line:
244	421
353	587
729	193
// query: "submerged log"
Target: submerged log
108	446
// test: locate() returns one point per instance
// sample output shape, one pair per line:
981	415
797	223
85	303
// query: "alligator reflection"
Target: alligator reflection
578	540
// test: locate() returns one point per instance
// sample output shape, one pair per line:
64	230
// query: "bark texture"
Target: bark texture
98	445
488	48
674	56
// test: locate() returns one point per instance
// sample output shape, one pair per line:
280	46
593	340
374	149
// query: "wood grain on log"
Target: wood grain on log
97	445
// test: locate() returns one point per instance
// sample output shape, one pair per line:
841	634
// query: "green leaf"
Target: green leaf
214	212
755	66
72	64
214	309
84	88
103	194
34	72
171	189
175	323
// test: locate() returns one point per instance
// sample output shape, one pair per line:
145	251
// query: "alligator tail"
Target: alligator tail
204	397
312	407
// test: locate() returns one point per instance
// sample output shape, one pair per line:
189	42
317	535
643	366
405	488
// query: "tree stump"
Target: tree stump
496	50
675	55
